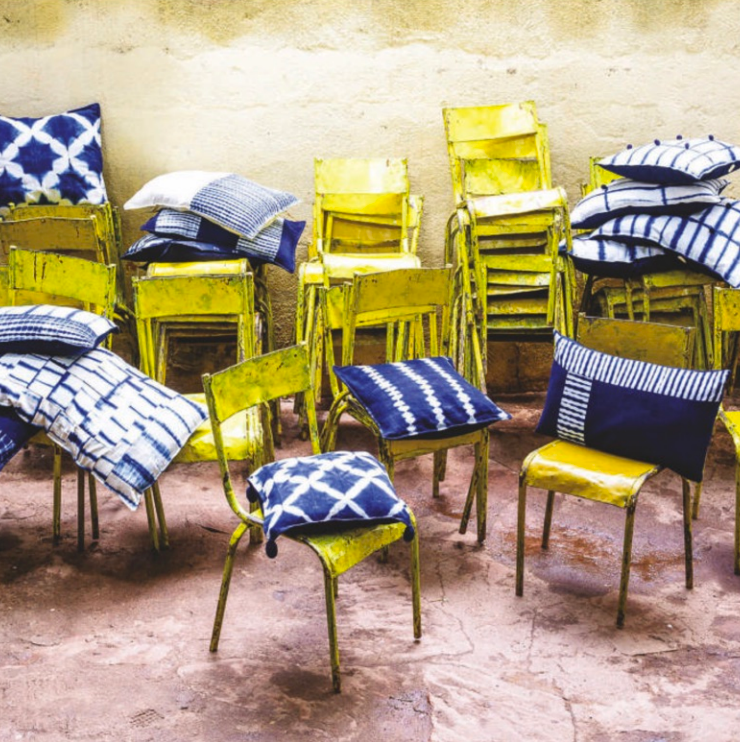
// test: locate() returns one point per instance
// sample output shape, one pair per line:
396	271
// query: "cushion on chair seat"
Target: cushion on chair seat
632	408
425	397
338	488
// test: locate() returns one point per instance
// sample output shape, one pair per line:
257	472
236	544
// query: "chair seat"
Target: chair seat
239	434
341	266
508	204
199	268
577	470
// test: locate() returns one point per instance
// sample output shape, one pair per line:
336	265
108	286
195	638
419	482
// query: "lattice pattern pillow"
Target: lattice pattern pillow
233	202
421	398
635	409
625	196
53	159
116	422
341	487
675	161
45	328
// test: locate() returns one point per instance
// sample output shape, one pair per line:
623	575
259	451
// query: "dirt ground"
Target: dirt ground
112	643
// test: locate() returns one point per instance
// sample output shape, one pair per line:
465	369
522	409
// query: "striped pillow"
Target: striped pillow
233	202
634	409
675	161
709	238
613	259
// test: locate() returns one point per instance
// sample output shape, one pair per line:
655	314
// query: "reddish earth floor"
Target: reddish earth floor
112	643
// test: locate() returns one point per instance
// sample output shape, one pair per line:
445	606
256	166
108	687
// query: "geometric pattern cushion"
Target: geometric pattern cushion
341	487
424	398
675	161
709	238
116	423
53	159
613	259
275	244
634	409
14	434
231	201
625	196
45	328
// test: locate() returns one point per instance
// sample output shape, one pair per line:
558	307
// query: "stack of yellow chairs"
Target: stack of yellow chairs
503	237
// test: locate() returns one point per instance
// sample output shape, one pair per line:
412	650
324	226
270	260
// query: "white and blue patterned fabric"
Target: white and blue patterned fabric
625	196
53	159
638	410
675	161
233	202
316	492
180	236
115	421
614	259
45	328
710	239
14	434
424	398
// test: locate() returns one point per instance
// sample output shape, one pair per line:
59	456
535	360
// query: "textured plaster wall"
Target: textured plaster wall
260	87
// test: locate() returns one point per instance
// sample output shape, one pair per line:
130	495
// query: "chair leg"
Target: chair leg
629	528
151	520
548	519
440	462
472	490
225	583
93	497
697	499
737	518
416	585
164	535
687	537
56	525
80	510
331	620
521	517
481	498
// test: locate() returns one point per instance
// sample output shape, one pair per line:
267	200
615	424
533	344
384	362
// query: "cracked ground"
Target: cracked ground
112	643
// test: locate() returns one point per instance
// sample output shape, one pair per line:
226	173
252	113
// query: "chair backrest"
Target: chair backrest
726	309
597	176
40	277
413	304
189	299
496	149
257	381
667	345
362	205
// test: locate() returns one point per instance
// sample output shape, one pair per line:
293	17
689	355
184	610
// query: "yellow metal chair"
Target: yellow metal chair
39	277
177	300
413	308
503	237
561	466
666	294
364	220
256	382
726	306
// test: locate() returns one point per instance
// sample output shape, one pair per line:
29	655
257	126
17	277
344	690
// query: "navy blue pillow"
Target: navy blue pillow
634	409
675	160
54	159
317	492
14	434
424	398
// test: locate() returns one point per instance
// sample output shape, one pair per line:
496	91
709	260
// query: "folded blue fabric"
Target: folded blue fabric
316	492
634	409
425	398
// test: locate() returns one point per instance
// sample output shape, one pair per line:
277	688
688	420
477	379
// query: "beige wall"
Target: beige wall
260	87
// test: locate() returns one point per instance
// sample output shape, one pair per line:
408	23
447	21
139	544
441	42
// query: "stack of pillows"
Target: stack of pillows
214	216
666	211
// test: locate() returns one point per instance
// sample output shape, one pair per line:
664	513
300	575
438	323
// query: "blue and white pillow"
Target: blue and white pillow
115	421
45	328
175	232
710	238
14	434
233	202
638	410
613	259
624	196
341	487
675	161
53	159
422	398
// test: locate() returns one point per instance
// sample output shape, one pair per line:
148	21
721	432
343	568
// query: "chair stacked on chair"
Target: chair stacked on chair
503	237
